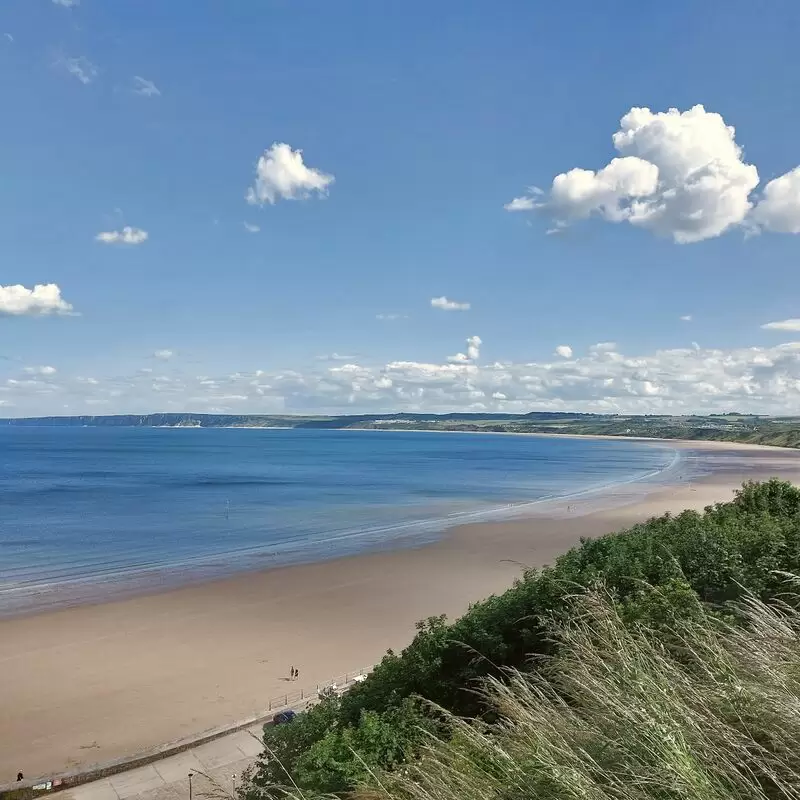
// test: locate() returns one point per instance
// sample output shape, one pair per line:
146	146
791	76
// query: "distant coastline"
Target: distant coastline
730	427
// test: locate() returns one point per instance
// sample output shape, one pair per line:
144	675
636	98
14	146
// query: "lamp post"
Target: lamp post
191	775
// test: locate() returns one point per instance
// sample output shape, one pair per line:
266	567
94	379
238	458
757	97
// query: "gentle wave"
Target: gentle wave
189	508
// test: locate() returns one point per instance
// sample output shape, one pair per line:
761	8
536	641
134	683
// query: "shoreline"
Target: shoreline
73	592
96	682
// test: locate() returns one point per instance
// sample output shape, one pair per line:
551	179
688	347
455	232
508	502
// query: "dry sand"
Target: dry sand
88	684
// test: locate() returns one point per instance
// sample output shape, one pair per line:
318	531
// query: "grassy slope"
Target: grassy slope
716	716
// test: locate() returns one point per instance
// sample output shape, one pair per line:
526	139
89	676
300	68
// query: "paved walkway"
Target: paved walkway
168	779
216	765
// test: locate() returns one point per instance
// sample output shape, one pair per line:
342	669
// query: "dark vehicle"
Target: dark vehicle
283	717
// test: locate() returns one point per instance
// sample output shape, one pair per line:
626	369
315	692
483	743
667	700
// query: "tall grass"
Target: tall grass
710	711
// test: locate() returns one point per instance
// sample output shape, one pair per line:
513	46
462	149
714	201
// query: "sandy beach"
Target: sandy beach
88	684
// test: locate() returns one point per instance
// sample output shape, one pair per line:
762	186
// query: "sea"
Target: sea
92	513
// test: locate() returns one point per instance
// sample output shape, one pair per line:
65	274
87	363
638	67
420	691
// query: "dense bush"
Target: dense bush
716	718
316	751
656	573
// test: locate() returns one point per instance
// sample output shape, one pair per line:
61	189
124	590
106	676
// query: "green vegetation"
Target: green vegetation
754	429
715	717
661	574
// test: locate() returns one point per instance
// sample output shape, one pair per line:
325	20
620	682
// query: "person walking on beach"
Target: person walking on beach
296	673
291	674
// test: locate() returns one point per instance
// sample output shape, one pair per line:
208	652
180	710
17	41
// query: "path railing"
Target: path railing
305	694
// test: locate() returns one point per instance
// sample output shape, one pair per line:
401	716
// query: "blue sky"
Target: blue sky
418	122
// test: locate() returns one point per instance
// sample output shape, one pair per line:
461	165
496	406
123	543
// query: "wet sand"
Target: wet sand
92	683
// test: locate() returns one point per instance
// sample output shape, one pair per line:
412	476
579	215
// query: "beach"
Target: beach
92	683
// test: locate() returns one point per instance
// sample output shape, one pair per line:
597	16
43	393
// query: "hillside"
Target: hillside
714	716
660	573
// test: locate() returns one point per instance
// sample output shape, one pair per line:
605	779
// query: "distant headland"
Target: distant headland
732	427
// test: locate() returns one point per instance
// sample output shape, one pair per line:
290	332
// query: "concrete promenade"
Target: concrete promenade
168	779
216	765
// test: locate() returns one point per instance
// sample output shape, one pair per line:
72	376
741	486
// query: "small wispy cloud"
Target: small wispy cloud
335	357
520	204
603	347
792	325
43	370
391	316
145	88
527	202
127	235
445	304
81	68
9	37
686	318
67	3
250	228
163	355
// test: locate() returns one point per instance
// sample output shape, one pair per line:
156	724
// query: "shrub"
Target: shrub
719	721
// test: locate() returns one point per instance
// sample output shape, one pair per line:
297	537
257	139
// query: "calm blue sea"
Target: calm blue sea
89	512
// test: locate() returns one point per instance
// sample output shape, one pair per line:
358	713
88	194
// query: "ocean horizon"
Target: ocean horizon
89	514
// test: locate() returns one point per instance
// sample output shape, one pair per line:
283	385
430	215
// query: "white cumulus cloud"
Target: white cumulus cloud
449	305
783	325
282	174
564	350
144	87
81	68
163	355
581	192
667	381
250	228
127	235
679	174
43	299
473	352
778	210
